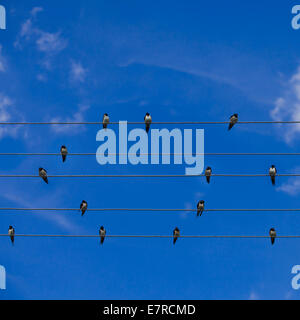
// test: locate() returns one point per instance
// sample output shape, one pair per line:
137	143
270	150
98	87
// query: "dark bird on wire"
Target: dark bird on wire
176	235
105	120
11	233
208	172
148	121
83	207
200	208
64	152
272	173
272	234
102	233
233	121
43	174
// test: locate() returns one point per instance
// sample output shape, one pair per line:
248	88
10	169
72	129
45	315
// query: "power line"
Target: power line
162	154
148	236
147	176
142	123
149	210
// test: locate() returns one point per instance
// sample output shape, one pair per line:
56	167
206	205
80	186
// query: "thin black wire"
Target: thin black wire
149	210
163	154
148	176
147	236
139	122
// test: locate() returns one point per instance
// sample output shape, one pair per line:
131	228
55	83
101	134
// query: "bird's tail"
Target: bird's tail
208	179
174	240
104	126
147	127
12	240
102	240
46	180
272	240
273	180
64	158
201	213
230	126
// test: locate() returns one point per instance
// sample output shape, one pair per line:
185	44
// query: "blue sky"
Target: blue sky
180	62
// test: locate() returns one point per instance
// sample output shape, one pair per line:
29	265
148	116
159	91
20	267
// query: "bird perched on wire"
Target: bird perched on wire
233	121
64	152
105	120
11	233
176	235
200	208
148	121
83	207
272	234
208	173
43	174
102	233
272	173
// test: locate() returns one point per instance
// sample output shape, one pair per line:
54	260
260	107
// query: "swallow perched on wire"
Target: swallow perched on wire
64	152
148	121
233	120
83	207
105	120
176	235
102	233
11	233
208	173
43	174
272	234
200	208
272	173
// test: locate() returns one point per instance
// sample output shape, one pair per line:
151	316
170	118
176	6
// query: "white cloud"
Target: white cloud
46	42
78	116
287	108
50	43
6	114
253	296
292	186
78	72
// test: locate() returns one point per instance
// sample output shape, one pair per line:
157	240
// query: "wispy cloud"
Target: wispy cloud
287	107
77	72
7	113
253	296
78	116
46	42
292	186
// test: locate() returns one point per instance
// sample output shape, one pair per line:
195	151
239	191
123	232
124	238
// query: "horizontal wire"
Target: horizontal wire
140	122
163	154
148	176
144	236
149	210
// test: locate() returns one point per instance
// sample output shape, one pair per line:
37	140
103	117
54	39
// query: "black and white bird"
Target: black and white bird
272	234
272	173
233	120
83	207
148	121
105	120
200	208
64	152
11	233
43	174
102	233
208	173
176	235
